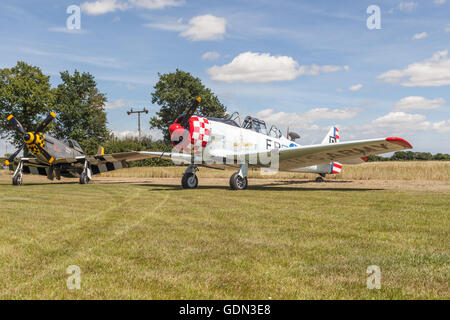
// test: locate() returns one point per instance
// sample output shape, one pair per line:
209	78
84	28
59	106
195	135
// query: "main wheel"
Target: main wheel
237	182
319	179
17	180
189	181
84	179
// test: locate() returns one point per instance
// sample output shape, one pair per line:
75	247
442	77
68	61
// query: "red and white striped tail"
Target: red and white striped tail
336	168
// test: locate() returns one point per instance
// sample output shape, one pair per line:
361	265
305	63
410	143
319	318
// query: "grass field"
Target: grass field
412	170
280	241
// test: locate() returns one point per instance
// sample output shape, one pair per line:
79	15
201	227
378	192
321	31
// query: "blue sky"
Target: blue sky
303	64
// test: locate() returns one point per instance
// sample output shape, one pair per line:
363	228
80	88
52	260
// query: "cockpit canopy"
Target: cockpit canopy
72	144
251	123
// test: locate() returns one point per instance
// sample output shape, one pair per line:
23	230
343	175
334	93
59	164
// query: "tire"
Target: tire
237	182
319	180
84	179
17	181
189	181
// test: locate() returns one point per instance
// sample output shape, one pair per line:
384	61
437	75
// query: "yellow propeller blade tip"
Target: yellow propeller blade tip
7	163
10	117
51	160
53	114
199	99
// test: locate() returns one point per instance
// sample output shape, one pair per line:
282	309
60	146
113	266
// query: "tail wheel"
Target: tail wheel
189	181
84	179
17	180
237	182
319	179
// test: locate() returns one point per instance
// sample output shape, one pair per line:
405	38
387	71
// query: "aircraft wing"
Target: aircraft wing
122	156
181	158
105	158
31	161
304	156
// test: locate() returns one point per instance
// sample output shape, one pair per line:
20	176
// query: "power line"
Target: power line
139	119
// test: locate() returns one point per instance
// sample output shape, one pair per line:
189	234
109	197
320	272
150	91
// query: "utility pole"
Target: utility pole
139	119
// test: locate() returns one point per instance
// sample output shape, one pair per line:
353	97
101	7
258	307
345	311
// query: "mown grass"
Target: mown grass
161	242
393	170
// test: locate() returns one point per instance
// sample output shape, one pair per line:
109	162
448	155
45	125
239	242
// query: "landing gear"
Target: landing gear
51	173
86	174
320	179
17	177
57	173
189	180
238	180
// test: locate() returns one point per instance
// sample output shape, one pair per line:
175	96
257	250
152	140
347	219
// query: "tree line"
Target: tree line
411	156
26	92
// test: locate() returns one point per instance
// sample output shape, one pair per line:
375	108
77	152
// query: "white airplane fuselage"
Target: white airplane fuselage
225	139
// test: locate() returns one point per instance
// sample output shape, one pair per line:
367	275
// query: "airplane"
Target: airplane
61	158
202	141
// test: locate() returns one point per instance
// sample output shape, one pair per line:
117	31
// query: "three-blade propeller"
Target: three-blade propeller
180	128
30	138
184	122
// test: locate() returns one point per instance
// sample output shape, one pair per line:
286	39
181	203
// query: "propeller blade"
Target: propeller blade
190	112
15	124
46	122
14	155
47	156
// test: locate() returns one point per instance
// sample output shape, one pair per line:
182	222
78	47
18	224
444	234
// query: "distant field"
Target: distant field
299	240
414	170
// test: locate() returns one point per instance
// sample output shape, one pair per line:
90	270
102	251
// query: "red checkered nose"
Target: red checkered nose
194	139
178	134
200	131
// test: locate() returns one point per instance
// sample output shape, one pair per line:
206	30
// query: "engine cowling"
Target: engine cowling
194	138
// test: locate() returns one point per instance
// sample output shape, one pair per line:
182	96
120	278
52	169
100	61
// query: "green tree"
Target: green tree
25	92
441	157
80	111
175	92
116	145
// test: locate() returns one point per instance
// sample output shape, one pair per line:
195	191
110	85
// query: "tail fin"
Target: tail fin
100	151
332	136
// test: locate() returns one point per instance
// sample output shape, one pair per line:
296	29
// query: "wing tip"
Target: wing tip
400	141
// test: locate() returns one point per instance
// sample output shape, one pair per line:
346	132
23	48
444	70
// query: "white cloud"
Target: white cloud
407	6
263	67
120	103
66	30
418	103
442	126
447	29
126	134
421	35
206	27
399	119
156	4
99	61
439	2
399	123
433	72
211	55
356	87
105	6
306	119
173	25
